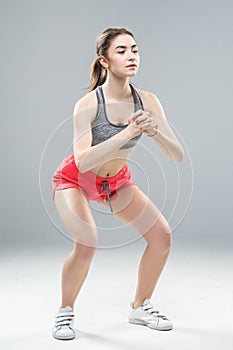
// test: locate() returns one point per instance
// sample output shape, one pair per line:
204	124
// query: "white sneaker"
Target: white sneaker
147	315
64	322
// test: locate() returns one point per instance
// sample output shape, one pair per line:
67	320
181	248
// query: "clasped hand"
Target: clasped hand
143	121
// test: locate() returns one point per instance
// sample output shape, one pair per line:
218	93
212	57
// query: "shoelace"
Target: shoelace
64	319
106	186
150	308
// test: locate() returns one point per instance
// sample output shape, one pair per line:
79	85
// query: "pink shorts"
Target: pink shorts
94	187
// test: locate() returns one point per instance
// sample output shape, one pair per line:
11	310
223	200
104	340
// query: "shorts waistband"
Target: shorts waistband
112	179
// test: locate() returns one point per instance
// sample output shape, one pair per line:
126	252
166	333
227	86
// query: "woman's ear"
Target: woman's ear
103	61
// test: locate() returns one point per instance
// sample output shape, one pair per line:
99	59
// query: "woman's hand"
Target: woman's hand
133	127
143	122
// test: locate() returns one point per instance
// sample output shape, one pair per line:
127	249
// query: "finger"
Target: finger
138	113
147	126
141	119
146	122
134	116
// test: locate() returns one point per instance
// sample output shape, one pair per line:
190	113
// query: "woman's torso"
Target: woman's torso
114	114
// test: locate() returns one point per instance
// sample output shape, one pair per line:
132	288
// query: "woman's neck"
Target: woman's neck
117	89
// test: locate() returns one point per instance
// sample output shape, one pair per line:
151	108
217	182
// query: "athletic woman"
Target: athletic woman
107	123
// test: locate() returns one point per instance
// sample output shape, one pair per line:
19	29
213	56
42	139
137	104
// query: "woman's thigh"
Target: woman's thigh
134	208
74	210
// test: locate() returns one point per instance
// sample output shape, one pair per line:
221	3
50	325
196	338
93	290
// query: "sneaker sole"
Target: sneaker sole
141	323
64	338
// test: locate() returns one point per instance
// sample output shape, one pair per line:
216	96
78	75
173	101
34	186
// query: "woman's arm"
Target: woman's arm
165	137
87	156
169	145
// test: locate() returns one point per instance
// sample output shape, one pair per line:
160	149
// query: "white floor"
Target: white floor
194	291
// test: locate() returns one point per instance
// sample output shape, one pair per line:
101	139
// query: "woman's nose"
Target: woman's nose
130	55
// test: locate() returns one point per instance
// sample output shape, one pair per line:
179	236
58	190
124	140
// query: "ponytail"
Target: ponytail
98	74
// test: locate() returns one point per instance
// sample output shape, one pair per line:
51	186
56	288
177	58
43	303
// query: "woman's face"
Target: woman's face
123	57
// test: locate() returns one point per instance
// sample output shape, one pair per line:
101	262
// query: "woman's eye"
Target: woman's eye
134	51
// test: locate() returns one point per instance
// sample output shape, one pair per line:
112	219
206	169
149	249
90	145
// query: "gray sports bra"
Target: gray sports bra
103	129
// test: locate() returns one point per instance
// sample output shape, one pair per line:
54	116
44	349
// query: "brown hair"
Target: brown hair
98	73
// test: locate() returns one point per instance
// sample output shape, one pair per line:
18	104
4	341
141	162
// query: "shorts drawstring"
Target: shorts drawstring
106	186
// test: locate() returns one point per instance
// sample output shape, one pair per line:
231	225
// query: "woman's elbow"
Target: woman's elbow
80	164
180	155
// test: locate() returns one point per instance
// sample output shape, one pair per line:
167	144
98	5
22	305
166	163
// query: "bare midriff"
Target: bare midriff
113	166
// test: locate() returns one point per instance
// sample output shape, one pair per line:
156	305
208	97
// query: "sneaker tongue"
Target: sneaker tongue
66	308
146	301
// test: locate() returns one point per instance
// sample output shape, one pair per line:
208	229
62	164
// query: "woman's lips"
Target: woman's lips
131	66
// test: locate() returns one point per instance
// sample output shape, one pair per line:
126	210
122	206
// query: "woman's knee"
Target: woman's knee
160	236
83	252
85	240
168	232
168	242
166	239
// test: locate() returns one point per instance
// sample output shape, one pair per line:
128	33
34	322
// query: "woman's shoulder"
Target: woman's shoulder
87	105
149	100
86	101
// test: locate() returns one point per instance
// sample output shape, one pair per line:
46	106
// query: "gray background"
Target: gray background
186	60
186	51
